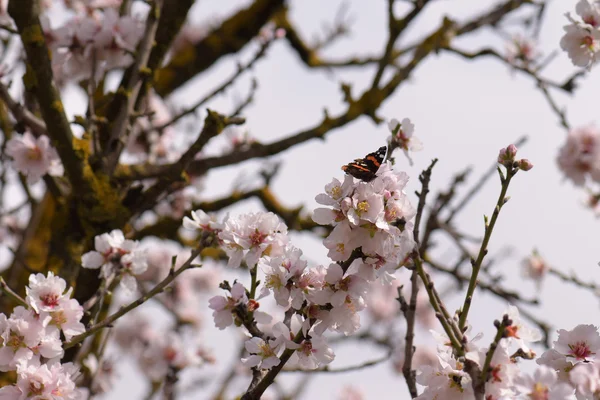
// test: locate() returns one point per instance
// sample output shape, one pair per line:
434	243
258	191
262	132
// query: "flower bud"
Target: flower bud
525	164
507	155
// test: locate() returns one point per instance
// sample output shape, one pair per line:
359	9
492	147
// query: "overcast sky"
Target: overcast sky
464	112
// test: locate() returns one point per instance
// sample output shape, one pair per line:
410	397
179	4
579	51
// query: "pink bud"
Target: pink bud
507	155
279	33
525	164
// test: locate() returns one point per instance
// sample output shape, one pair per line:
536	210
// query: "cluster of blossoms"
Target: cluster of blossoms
579	158
30	341
33	157
565	372
581	40
371	238
118	257
448	379
98	42
507	155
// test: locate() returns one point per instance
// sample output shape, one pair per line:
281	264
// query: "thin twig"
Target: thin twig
125	309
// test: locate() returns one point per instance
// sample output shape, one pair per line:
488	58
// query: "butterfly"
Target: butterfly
366	168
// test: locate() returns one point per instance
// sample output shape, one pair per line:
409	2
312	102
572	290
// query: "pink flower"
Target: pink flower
580	344
223	306
25	339
447	380
589	12
534	267
314	353
543	385
402	136
580	155
262	354
582	44
586	379
115	254
34	157
522	51
202	221
250	236
45	293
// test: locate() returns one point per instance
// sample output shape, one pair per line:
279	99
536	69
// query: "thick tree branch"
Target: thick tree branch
39	80
231	36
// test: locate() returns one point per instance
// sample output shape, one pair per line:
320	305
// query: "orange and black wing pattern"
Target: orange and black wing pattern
366	168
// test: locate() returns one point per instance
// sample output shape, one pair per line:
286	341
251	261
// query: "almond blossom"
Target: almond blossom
56	381
34	157
263	354
579	158
585	377
25	339
402	136
543	385
534	267
250	236
447	380
582	343
116	255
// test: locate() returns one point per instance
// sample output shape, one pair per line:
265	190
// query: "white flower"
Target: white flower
25	338
519	333
582	44
543	385
447	380
402	136
115	254
580	344
56	381
223	306
580	155
586	379
276	279
202	221
252	235
33	157
558	362
68	318
314	353
45	293
589	12
534	267
262	354
338	242
522	51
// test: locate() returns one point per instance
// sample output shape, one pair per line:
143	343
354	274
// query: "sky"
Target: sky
463	111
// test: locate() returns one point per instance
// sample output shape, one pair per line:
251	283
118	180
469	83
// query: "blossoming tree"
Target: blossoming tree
114	250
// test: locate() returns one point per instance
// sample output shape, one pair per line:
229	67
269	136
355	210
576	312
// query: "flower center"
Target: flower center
35	388
591	20
512	331
59	318
336	192
307	348
580	350
588	42
15	341
539	392
34	154
362	207
257	237
50	299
